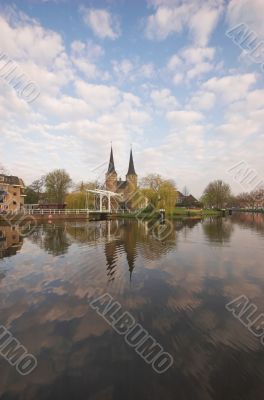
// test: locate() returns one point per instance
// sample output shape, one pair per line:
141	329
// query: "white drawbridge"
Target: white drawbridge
101	194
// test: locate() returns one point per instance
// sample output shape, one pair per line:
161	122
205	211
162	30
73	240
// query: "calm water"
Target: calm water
177	289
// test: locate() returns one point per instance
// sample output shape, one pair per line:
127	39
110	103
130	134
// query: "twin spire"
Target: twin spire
131	168
111	166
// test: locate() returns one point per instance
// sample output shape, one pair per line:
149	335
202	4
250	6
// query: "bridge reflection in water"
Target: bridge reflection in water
176	289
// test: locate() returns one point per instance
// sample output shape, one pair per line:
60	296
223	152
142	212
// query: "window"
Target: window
14	202
14	194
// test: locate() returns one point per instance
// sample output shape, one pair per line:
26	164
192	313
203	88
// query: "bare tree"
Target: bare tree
216	194
57	184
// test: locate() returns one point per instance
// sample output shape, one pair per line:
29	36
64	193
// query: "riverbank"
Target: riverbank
68	215
178	212
251	210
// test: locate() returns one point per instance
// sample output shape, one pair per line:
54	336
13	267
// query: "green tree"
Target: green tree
160	192
76	200
217	194
83	186
34	191
57	184
31	196
80	198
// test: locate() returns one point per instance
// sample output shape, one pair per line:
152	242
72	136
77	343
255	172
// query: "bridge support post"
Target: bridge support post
101	202
109	203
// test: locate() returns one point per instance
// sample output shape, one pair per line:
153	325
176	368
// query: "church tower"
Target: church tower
111	175
131	175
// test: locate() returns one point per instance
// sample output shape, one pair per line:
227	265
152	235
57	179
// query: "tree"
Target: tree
253	199
38	185
83	186
57	184
216	194
31	196
160	192
34	191
79	198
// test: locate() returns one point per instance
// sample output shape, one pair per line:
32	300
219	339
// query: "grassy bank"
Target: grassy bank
178	212
195	211
251	210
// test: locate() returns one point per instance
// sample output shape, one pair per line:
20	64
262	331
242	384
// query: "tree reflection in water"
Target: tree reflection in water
178	291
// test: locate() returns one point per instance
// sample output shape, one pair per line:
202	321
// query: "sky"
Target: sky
161	76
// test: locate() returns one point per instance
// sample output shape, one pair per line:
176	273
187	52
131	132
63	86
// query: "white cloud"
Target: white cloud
103	24
178	78
174	62
147	71
40	53
166	21
163	99
230	87
65	107
200	17
203	100
202	24
80	115
190	63
84	56
99	97
89	69
127	70
196	55
122	68
184	117
30	41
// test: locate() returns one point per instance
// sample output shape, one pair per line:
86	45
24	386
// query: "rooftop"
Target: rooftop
11	180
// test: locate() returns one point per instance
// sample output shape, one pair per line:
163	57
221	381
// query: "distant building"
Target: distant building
11	193
10	241
186	200
127	187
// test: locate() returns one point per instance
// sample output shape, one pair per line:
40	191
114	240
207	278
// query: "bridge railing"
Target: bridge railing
44	211
55	211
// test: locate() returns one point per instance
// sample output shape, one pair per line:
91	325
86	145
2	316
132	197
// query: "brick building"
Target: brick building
11	193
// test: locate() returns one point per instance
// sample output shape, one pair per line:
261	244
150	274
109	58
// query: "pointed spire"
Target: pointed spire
131	168
111	166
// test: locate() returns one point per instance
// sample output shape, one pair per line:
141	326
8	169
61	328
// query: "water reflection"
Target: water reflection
177	289
218	230
10	240
254	221
51	238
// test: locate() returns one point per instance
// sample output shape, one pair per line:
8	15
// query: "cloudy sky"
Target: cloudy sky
158	74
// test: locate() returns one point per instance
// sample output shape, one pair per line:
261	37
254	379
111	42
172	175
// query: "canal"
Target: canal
176	289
